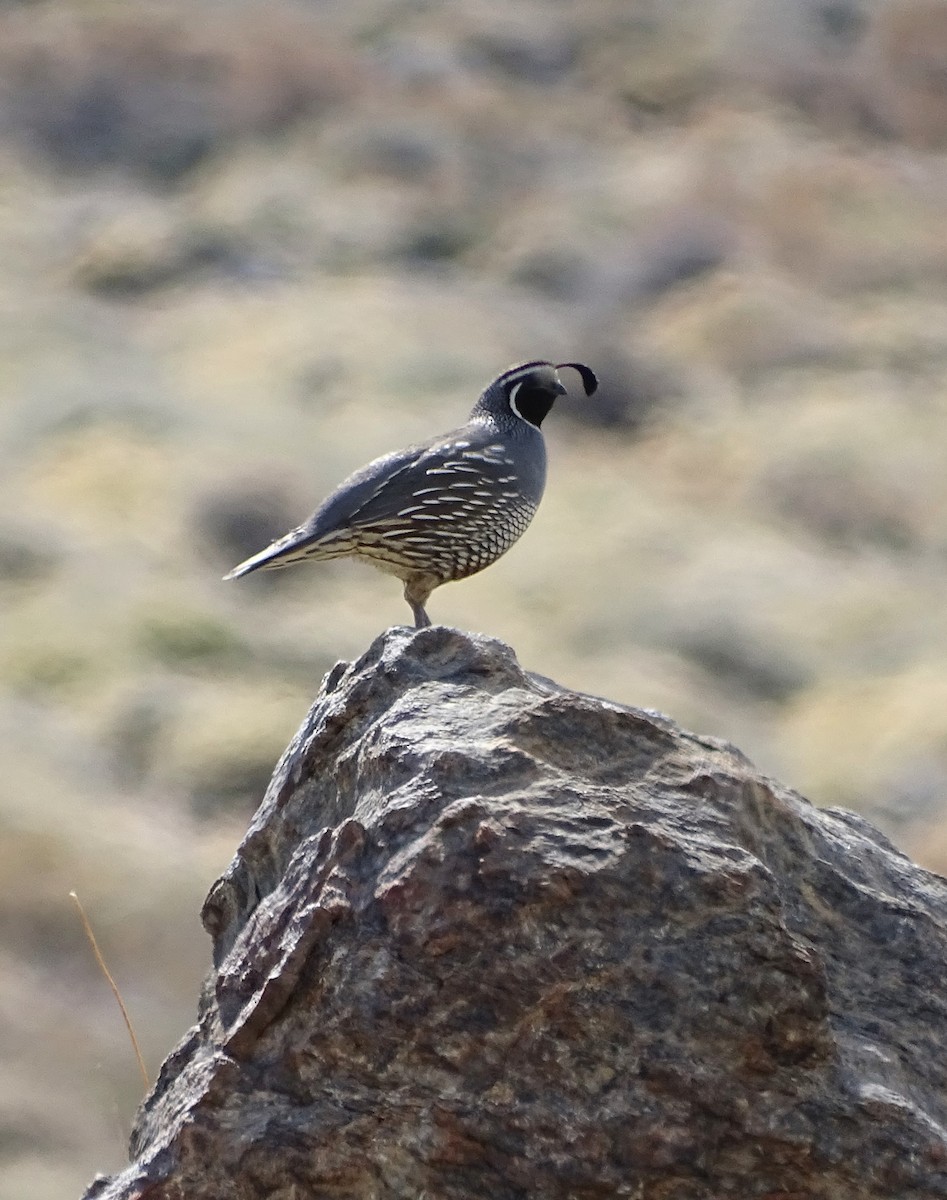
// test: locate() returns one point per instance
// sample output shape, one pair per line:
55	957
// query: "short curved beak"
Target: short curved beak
587	375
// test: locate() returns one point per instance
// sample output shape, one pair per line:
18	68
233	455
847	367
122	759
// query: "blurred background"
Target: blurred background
247	246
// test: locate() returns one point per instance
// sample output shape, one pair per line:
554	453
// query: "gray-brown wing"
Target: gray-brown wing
327	533
449	478
450	513
399	498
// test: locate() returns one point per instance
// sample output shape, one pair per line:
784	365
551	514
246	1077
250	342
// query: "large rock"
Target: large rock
490	938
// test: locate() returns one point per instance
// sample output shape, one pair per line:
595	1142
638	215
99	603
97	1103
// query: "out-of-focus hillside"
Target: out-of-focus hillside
245	247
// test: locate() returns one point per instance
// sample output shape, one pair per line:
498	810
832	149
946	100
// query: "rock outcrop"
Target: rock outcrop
489	938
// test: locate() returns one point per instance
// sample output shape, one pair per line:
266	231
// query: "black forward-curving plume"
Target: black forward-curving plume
446	508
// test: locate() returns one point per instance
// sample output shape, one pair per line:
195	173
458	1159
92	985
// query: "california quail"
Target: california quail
443	509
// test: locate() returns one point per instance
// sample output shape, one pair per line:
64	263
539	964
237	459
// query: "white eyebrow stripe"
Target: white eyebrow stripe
522	372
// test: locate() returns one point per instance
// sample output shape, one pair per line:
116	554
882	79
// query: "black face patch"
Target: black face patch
533	401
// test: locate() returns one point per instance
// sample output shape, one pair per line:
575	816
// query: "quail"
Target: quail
446	508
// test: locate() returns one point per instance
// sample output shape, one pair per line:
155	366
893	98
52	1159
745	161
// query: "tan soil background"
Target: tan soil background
245	247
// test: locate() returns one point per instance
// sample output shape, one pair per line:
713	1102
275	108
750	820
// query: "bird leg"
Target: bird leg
416	591
421	619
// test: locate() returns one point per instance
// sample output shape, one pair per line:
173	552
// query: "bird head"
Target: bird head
529	390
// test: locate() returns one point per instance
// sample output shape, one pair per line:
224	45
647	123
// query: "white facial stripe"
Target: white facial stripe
513	390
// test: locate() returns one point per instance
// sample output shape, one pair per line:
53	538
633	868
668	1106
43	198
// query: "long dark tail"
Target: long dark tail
294	548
